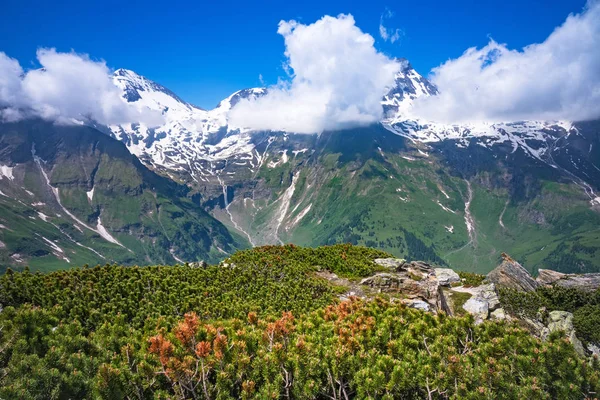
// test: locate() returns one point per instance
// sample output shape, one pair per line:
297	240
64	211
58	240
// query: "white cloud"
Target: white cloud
554	80
338	80
68	86
393	35
10	81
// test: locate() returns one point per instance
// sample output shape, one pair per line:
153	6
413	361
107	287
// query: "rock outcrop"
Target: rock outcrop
391	263
563	321
483	300
415	282
477	308
510	274
587	282
446	276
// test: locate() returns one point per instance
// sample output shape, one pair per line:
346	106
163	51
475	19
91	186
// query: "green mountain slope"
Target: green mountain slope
456	206
75	196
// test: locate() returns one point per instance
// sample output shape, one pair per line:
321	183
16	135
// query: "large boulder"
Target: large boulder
587	282
510	274
418	304
488	294
446	276
478	308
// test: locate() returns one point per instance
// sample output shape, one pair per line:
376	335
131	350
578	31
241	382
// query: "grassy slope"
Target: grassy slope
389	199
148	214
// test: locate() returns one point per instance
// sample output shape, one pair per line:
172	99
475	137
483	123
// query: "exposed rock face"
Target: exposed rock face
488	294
199	264
499	315
391	263
512	275
418	304
400	264
563	321
478	308
415	281
587	282
594	349
483	300
446	276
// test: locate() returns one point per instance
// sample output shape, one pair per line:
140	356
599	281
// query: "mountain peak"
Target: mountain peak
134	85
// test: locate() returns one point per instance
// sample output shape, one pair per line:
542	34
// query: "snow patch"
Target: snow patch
445	208
104	233
6	172
285	199
299	217
90	194
43	216
100	228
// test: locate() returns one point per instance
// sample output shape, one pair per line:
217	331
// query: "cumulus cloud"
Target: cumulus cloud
68	86
393	35
337	80
554	80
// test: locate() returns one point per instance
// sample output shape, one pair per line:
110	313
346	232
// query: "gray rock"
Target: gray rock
199	264
418	266
446	276
418	304
424	287
563	321
488	294
587	282
511	274
594	349
391	263
498	315
477	308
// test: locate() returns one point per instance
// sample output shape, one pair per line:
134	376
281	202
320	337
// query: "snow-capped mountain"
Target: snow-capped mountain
199	146
191	139
455	194
195	140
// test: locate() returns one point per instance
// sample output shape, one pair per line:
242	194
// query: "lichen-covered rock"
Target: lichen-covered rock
198	264
563	321
587	282
391	263
488	294
498	314
399	265
512	275
418	304
409	285
477	308
446	276
594	349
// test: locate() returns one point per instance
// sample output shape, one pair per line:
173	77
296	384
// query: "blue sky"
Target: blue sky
205	50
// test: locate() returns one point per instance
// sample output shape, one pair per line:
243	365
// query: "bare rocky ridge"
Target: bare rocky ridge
512	275
420	285
587	282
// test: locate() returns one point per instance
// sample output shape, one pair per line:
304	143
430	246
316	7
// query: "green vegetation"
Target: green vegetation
370	187
260	325
458	300
97	180
470	279
585	307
